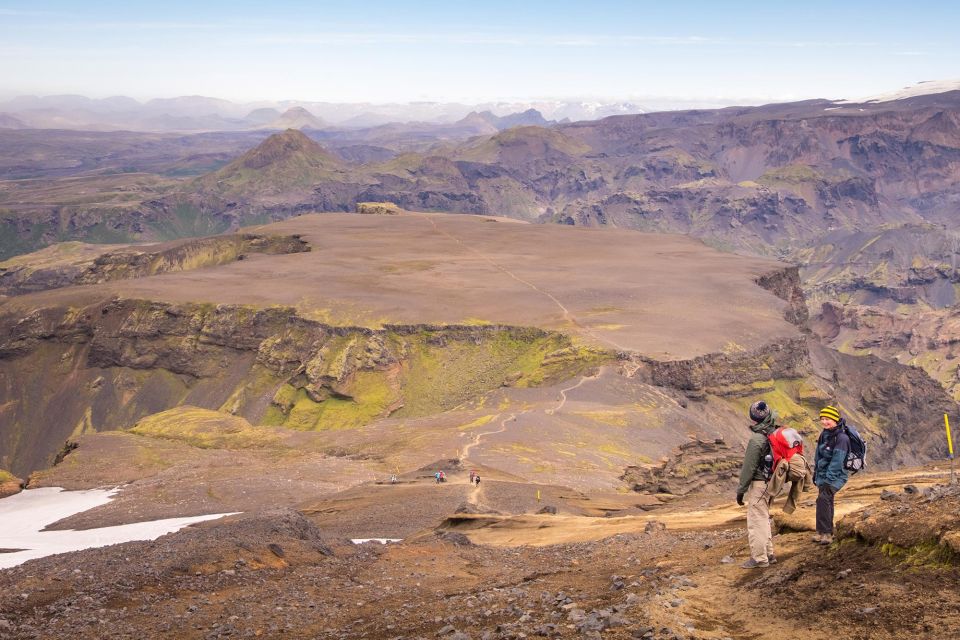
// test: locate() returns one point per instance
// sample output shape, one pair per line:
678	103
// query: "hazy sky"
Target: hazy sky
395	51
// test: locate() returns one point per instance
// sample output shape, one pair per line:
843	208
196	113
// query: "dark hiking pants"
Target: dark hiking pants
825	509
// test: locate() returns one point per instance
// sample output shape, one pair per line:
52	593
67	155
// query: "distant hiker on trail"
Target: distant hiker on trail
473	474
393	479
437	477
829	470
476	479
753	487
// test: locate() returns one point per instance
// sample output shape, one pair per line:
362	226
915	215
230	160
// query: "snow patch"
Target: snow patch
927	87
380	540
26	514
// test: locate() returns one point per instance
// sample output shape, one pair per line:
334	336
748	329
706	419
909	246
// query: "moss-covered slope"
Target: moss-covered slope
67	372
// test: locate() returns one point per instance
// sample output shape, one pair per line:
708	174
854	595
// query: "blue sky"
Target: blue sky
454	51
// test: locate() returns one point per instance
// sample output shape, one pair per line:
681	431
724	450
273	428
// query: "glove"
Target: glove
740	499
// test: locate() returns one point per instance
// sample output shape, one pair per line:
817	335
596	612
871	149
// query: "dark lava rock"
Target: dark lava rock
453	537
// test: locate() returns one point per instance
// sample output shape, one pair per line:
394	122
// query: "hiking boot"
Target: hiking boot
753	564
771	559
826	538
818	538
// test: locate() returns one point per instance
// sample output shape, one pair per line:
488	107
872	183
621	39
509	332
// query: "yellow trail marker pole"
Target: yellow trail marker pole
946	424
538	495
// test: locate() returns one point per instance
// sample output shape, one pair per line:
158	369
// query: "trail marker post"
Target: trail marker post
946	424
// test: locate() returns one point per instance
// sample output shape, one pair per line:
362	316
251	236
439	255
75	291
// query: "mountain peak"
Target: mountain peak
283	165
525	118
296	118
283	146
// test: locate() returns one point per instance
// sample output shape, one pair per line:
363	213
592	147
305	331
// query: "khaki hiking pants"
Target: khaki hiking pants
758	521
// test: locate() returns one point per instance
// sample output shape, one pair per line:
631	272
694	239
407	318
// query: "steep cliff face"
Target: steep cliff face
739	365
74	263
786	285
901	407
70	371
714	373
929	338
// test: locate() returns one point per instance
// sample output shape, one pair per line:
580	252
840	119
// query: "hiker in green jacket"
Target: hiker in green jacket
753	487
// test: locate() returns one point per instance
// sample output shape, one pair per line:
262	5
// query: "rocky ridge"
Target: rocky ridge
99	264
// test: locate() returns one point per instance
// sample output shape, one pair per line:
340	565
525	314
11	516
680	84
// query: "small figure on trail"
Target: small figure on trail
443	477
476	479
473	474
437	477
829	470
753	486
393	478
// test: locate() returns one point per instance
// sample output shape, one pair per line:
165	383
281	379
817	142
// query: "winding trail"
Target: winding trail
476	438
568	316
563	392
513	416
475	494
474	497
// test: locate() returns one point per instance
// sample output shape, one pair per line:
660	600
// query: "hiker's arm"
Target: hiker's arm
750	461
816	459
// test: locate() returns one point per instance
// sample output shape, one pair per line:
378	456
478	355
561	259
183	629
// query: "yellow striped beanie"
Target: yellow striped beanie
830	412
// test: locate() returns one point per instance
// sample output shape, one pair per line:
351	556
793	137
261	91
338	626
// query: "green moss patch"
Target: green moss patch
366	396
437	371
785	398
929	555
792	174
440	375
205	429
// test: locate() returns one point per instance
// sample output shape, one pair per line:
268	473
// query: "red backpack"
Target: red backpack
784	444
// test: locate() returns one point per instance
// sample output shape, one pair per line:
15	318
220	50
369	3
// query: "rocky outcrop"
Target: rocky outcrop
715	372
785	284
918	527
378	208
21	276
9	484
697	465
889	266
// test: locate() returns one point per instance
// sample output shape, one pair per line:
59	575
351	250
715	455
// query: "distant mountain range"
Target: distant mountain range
768	179
765	179
202	113
199	113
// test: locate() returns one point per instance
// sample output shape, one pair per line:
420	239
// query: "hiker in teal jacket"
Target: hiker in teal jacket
829	473
753	487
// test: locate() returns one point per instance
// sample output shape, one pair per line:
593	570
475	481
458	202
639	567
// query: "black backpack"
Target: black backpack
857	456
